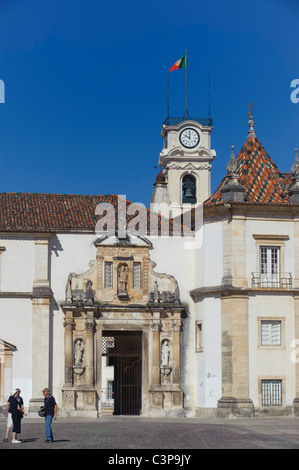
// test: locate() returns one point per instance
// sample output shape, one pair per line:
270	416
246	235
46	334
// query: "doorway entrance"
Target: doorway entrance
122	370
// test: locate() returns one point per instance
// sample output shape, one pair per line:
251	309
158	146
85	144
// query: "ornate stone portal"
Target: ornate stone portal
122	292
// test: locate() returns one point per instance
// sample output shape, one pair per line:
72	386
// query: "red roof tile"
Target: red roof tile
26	212
263	181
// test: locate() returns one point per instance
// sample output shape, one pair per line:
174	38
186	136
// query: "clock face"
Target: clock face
189	138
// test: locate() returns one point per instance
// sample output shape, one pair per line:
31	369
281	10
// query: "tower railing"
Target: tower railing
174	121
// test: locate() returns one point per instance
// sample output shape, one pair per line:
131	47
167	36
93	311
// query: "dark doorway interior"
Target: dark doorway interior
124	350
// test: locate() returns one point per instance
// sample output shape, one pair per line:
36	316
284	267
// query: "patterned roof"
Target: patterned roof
26	212
263	181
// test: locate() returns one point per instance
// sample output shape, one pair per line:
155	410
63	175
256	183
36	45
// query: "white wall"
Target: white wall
16	328
17	264
208	361
275	362
208	256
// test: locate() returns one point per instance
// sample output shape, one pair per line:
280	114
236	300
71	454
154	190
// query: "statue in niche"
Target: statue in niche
165	353
79	350
123	278
89	293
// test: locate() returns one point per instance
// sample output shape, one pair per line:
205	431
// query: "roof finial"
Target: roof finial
295	167
294	188
231	167
232	190
251	131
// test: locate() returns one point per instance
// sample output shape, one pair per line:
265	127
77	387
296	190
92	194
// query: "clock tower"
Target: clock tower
186	160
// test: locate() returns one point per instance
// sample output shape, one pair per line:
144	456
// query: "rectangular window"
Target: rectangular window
271	392
199	345
269	266
136	275
270	332
108	275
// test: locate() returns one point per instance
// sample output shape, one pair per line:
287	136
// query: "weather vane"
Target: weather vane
250	106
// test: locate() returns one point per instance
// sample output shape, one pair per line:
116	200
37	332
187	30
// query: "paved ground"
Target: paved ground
137	433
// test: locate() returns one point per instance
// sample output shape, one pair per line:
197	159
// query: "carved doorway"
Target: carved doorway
123	352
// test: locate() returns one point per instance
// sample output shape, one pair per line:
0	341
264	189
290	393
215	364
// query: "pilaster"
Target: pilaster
234	252
296	360
235	400
41	298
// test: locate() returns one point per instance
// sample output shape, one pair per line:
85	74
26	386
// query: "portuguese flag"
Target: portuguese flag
180	64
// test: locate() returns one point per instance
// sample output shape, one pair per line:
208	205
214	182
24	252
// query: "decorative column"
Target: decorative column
98	371
89	339
156	326
156	401
176	378
68	348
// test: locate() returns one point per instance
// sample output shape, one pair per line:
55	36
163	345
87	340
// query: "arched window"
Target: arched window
189	189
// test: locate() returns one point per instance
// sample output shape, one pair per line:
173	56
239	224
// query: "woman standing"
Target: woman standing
17	414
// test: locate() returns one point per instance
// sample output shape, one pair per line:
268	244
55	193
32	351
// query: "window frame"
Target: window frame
199	336
282	332
138	264
110	263
270	241
282	380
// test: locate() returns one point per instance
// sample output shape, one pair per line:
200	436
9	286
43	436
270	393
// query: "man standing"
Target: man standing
50	407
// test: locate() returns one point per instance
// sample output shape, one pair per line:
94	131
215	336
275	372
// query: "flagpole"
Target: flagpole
186	84
168	94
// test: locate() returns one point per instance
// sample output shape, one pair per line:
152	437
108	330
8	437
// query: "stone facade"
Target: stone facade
217	318
115	296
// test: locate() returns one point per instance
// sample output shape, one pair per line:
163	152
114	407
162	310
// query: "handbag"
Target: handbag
42	413
20	413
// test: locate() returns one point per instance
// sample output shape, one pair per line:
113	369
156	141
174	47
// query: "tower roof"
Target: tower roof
262	180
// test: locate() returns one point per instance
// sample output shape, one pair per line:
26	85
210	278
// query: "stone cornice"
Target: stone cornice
243	291
250	209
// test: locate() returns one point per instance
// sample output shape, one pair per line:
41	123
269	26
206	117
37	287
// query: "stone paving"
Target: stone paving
137	433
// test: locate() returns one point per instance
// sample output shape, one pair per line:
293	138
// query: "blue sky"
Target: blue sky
86	87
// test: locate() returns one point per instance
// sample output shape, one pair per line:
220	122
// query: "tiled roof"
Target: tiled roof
26	212
263	181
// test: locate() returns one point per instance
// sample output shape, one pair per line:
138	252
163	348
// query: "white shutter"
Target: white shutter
270	332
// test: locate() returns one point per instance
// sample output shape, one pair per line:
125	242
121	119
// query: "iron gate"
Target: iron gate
124	349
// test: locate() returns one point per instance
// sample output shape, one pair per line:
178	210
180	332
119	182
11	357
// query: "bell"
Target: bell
189	193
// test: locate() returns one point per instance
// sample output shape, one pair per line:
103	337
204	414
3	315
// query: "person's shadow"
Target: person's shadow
33	439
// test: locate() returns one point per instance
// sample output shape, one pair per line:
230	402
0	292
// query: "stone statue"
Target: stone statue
79	349
165	353
89	294
122	278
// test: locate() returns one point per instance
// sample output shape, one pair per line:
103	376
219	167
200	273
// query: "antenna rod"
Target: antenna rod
209	95
167	94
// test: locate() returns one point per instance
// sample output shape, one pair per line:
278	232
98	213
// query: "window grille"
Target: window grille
271	392
270	332
136	275
108	275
